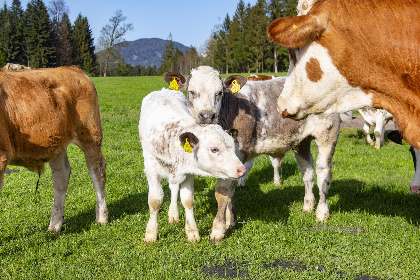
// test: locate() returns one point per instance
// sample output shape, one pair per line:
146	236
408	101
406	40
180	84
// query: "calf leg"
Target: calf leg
306	166
224	194
187	199
276	162
379	132
173	214
61	170
324	177
366	131
155	199
248	166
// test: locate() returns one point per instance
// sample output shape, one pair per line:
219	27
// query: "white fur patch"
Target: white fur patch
331	94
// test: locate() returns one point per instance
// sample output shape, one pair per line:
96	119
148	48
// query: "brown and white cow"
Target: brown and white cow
354	53
261	130
42	112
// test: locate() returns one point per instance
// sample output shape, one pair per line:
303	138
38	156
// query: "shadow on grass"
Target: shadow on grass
128	205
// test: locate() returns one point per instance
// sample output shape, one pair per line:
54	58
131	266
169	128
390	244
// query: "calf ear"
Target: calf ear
175	80
234	83
295	32
188	141
234	133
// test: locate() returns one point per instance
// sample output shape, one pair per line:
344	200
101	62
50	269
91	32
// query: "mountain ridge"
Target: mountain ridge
146	51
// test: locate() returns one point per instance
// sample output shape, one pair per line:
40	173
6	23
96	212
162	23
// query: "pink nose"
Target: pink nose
241	171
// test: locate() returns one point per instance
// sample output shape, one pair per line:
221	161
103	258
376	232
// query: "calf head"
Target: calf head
314	84
204	89
214	152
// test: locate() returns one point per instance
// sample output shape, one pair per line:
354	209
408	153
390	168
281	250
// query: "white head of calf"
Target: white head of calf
204	89
213	152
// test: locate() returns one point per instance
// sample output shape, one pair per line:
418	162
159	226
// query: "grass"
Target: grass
373	231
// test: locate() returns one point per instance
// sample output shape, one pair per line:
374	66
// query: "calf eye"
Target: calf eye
214	150
219	93
191	93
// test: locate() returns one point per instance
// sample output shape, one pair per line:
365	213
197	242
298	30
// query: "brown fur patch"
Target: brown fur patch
313	70
154	204
189	203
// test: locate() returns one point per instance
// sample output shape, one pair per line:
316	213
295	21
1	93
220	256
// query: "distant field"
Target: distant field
373	231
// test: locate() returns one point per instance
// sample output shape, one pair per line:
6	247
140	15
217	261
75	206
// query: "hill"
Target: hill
147	51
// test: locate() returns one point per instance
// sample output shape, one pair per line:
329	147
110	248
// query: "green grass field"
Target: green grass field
373	231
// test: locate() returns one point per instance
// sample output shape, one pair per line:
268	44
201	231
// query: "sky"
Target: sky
189	21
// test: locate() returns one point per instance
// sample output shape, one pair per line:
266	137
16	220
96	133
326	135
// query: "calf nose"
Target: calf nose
207	117
241	171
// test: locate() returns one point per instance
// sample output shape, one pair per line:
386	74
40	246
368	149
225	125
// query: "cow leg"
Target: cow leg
415	183
276	162
324	177
248	166
61	170
224	194
306	166
187	199
155	199
379	132
173	214
366	131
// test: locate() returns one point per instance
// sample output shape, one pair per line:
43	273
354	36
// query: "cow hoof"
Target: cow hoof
414	190
277	183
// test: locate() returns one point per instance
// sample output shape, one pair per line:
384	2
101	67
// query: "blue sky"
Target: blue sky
189	21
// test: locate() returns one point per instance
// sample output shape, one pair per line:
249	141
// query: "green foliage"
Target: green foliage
83	45
373	229
34	39
241	44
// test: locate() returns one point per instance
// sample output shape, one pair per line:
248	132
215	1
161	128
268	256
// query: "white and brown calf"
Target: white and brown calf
377	118
164	124
261	130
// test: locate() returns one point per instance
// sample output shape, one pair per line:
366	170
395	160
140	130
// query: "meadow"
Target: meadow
373	231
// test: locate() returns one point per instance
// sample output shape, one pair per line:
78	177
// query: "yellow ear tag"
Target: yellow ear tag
235	87
187	147
294	26
174	85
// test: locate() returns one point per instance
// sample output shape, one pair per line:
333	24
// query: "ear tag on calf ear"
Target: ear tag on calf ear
174	85
187	147
235	87
294	26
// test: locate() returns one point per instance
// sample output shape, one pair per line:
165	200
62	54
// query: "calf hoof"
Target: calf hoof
277	183
193	236
322	214
150	238
54	229
216	237
308	206
172	220
102	220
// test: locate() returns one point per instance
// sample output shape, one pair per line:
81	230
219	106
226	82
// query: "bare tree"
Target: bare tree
112	34
57	9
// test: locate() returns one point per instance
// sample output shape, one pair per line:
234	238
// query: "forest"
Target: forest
43	36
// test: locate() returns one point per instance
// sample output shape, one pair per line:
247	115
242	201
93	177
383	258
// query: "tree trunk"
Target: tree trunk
275	62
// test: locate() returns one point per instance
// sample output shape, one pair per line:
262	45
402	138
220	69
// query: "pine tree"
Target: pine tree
38	35
168	63
62	32
82	44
